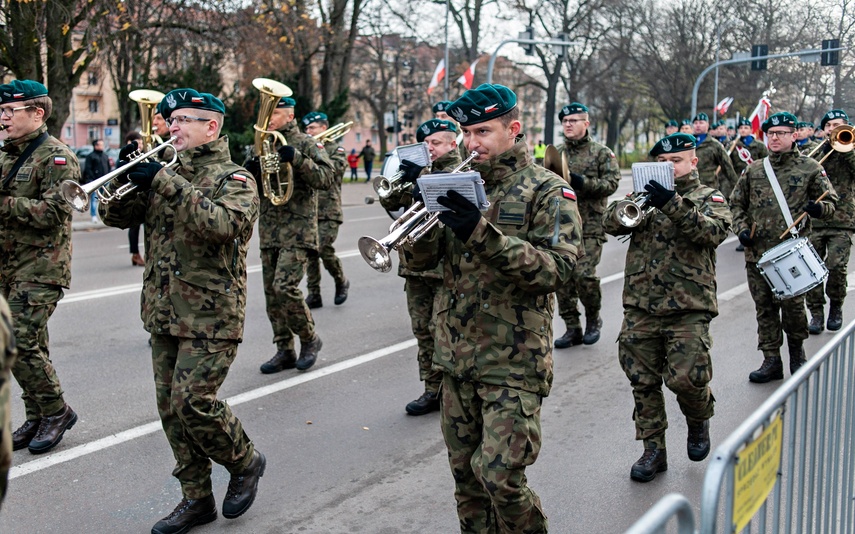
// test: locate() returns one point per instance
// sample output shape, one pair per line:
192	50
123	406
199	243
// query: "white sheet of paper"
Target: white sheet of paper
468	184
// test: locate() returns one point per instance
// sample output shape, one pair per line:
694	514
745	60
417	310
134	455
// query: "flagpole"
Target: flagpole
720	28
447	70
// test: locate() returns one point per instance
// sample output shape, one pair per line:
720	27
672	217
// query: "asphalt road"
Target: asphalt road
343	457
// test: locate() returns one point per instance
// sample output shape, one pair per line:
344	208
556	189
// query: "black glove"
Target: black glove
659	196
286	153
126	151
142	174
417	193
814	209
411	171
463	217
577	181
253	166
746	239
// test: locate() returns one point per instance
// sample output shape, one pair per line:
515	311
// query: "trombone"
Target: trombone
841	138
265	140
414	224
333	133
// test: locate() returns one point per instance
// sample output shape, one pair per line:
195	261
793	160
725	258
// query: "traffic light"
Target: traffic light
561	50
528	34
756	51
830	58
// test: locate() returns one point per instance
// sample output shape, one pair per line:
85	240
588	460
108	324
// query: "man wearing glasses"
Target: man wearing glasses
35	254
198	220
759	222
594	175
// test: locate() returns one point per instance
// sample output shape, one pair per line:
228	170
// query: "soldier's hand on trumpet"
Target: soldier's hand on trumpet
463	217
411	171
659	195
142	174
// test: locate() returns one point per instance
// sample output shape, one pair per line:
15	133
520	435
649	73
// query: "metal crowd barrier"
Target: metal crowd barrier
656	519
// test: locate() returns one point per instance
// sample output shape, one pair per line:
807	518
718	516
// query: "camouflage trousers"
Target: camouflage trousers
421	292
282	270
674	349
5	430
584	286
187	375
32	305
327	234
492	434
775	315
832	244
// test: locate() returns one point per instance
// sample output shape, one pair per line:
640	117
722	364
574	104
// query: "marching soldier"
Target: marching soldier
594	175
805	142
35	254
832	238
759	222
746	149
669	300
198	220
712	155
671	127
287	233
686	126
494	313
330	218
422	287
7	359
440	110
720	131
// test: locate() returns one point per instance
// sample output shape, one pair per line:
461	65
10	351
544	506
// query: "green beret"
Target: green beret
782	118
442	105
721	122
314	116
484	103
20	90
744	122
831	115
572	109
677	142
686	122
672	122
433	126
190	99
286	102
804	124
701	117
161	107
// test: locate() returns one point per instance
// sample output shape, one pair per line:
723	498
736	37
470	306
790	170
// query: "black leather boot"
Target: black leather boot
740	248
314	300
698	442
797	355
309	353
427	403
188	514
592	331
651	462
835	317
816	325
771	369
573	336
243	487
283	359
341	292
51	430
25	434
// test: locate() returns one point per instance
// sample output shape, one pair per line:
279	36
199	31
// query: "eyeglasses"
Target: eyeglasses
10	112
183	120
572	121
780	134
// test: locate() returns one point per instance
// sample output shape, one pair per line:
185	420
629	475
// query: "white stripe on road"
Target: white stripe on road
149	428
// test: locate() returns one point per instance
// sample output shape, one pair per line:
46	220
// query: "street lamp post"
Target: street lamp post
447	66
718	31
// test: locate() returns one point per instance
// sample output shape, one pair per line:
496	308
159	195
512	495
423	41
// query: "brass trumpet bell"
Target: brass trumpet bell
277	180
629	212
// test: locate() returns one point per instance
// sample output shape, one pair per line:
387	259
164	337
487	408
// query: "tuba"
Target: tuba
274	175
147	100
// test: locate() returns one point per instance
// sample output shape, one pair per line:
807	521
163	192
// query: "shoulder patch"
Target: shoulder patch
59	160
340	149
568	193
611	154
823	173
319	145
239	177
717	198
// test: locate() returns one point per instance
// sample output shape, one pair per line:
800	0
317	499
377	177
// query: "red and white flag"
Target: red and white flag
468	76
438	75
722	107
758	117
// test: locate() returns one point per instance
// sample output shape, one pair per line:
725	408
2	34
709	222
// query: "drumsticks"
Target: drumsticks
802	216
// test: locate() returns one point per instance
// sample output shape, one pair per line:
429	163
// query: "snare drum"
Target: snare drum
792	268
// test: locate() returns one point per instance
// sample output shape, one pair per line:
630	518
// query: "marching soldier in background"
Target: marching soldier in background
832	238
758	222
440	110
7	359
686	126
330	218
287	233
198	220
494	313
594	175
669	300
712	156
805	142
720	132
671	127
422	287
35	254
756	150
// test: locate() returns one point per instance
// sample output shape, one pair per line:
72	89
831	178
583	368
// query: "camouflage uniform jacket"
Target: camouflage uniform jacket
670	263
403	198
757	150
712	155
598	165
35	221
753	200
840	169
198	222
329	201
295	223
494	310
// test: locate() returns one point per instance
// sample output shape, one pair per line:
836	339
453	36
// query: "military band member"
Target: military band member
671	127
594	175
756	150
198	219
712	156
7	359
832	238
805	142
669	299
440	110
720	131
686	126
330	218
35	254
494	313
758	222
287	233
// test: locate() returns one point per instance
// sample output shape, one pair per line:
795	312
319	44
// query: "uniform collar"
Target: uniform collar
701	137
496	169
290	128
17	146
687	182
216	151
575	143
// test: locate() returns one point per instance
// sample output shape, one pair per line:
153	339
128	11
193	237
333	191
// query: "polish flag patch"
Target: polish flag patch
18	95
239	177
491	108
320	145
717	198
196	100
59	160
568	193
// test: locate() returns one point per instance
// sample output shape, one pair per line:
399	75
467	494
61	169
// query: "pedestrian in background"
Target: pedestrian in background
353	160
96	165
367	154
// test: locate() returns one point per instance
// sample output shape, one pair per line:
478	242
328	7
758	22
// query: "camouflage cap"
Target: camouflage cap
804	124
743	122
314	116
442	105
782	118
192	99
671	122
286	102
20	90
428	128
572	109
831	115
677	142
701	117
485	102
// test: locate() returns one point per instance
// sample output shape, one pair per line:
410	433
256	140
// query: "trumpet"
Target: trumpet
265	140
78	195
414	224
383	186
333	133
3	127
841	139
629	212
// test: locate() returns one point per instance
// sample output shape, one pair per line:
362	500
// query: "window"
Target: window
92	78
358	137
93	106
93	132
68	132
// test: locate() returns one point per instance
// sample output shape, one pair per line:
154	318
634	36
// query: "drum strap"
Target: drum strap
779	195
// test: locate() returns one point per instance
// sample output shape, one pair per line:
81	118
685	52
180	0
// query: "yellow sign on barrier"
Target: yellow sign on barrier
755	473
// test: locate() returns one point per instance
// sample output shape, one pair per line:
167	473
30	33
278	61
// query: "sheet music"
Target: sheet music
659	171
468	184
418	153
